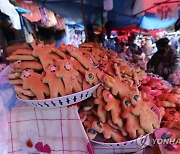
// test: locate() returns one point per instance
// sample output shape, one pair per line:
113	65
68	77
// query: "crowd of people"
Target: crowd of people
153	56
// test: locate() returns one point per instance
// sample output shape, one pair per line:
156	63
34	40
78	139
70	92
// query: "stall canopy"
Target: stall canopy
124	12
120	16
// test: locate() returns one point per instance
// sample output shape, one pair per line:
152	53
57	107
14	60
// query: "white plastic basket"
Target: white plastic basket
132	145
62	101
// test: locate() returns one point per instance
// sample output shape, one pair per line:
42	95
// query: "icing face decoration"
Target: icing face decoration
109	95
26	73
103	75
111	80
71	58
99	124
128	103
67	66
91	76
136	97
92	131
53	69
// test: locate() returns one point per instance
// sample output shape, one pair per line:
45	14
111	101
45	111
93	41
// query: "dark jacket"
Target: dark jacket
170	63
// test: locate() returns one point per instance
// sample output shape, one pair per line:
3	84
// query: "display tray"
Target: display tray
132	145
62	101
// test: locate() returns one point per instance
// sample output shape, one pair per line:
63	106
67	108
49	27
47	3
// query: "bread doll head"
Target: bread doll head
27	73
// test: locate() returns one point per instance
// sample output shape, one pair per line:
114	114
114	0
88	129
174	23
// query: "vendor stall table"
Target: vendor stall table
25	129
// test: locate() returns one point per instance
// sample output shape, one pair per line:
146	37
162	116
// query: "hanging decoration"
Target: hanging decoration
108	5
167	11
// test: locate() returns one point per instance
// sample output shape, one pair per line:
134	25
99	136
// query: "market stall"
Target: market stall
83	98
124	113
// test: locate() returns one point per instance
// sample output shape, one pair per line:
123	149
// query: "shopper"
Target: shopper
165	61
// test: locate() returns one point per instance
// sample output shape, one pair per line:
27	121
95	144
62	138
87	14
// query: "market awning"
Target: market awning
151	22
124	13
120	16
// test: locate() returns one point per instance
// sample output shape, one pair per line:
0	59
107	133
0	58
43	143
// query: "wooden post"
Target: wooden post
84	19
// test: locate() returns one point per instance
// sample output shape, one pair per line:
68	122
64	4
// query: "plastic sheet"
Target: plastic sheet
7	93
3	128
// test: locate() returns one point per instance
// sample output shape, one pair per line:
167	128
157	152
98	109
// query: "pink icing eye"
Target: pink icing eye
26	73
103	75
72	58
81	116
53	69
67	66
109	95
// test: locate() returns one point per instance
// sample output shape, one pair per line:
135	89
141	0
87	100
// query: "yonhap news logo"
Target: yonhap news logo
144	141
166	141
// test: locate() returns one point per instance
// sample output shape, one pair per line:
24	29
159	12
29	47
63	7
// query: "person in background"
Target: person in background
133	48
60	36
165	61
118	46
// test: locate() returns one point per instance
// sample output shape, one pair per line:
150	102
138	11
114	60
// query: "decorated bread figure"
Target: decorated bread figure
95	55
122	129
148	118
119	87
22	96
55	84
43	53
63	47
101	112
117	70
74	52
36	43
132	125
33	81
80	79
107	131
22	65
98	91
57	51
15	81
106	66
91	133
91	76
86	45
15	75
22	52
165	104
170	97
69	77
55	56
20	57
20	90
77	65
113	105
86	85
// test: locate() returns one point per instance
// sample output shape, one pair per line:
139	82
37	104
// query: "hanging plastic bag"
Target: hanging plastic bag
7	93
3	128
